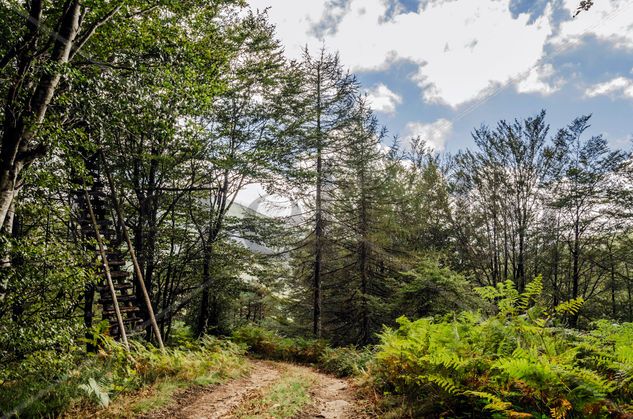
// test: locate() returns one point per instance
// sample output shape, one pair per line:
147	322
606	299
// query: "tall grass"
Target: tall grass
49	384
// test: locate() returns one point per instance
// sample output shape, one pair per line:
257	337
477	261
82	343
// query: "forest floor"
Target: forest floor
270	390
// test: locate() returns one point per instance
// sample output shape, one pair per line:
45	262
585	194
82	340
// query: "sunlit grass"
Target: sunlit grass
283	399
161	395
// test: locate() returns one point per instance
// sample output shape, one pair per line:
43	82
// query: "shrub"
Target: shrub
513	364
342	362
345	362
269	345
430	289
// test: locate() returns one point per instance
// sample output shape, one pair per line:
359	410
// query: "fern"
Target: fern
494	402
445	359
445	383
96	391
488	292
532	291
571	306
561	409
515	360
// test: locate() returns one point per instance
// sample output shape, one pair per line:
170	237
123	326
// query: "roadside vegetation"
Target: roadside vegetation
520	362
113	380
512	358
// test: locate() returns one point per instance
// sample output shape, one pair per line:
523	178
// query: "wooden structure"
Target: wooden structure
94	199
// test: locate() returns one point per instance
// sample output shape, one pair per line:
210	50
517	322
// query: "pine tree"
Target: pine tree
359	287
328	103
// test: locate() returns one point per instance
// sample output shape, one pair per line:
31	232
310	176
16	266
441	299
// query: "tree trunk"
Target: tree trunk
364	269
613	285
21	121
575	269
5	261
203	312
318	230
521	260
17	152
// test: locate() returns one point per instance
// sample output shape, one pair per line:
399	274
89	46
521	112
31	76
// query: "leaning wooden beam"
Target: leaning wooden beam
106	268
137	267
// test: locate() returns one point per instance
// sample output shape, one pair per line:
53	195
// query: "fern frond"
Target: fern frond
494	402
488	293
445	359
572	306
533	290
561	409
445	383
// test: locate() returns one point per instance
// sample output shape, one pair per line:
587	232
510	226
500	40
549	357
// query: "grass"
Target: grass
144	380
283	399
214	377
160	396
165	391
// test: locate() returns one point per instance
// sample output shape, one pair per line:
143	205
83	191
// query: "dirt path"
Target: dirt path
329	397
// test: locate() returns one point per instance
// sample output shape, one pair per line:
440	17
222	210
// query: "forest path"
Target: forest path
271	390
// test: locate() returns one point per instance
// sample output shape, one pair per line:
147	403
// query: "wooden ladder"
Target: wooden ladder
128	304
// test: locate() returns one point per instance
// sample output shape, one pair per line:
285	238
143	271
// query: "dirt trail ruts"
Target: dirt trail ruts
332	398
222	400
219	401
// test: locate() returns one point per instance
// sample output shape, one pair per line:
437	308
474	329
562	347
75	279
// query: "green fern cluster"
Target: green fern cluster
513	364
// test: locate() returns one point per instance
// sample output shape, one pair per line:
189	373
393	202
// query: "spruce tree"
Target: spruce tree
329	93
359	287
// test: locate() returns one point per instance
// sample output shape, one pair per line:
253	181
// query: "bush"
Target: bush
41	309
342	362
513	364
268	344
345	362
429	289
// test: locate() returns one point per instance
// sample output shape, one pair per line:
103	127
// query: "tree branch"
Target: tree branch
85	37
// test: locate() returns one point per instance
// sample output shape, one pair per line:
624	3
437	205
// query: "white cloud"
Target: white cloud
462	48
293	20
382	99
617	87
435	133
607	20
539	80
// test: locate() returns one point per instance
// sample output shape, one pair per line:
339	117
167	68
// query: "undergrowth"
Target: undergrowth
49	384
342	362
520	362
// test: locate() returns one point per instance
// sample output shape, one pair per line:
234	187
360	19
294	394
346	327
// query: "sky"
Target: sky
440	68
